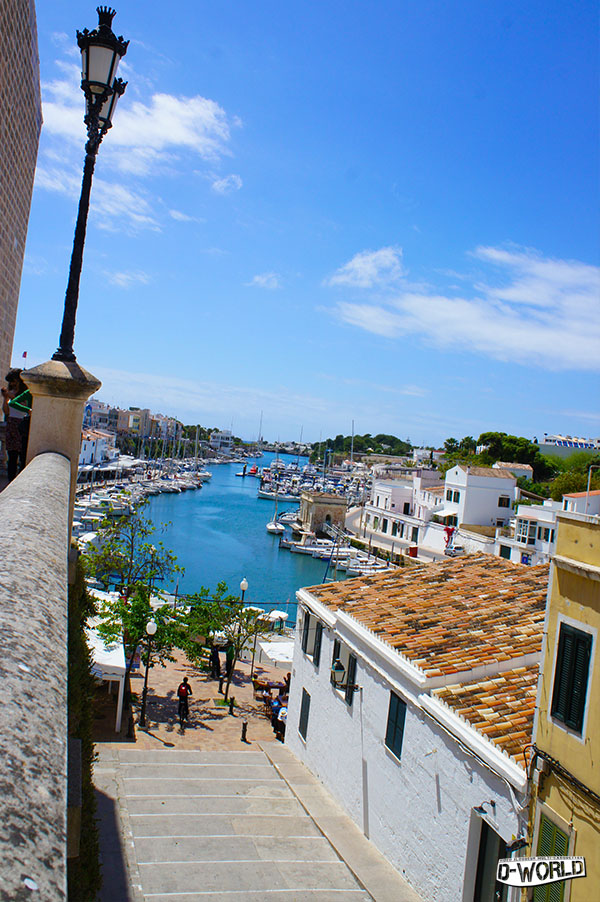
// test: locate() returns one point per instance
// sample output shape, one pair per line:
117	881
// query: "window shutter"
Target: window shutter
305	630
391	724
304	709
317	648
350	679
551	841
395	725
581	662
564	663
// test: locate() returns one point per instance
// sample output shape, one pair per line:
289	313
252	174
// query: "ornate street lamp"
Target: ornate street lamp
101	52
151	628
338	673
243	587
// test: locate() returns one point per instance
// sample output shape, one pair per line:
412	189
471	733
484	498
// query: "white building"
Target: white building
582	502
221	441
421	742
534	537
96	446
516	469
478	495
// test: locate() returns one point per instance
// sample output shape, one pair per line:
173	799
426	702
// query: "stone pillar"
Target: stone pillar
60	390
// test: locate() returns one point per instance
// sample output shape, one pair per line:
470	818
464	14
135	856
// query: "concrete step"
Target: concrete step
232	848
226	805
225	876
204	771
269	895
131	755
214	825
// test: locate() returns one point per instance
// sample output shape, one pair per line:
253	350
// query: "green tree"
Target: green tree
224	615
125	621
125	556
451	446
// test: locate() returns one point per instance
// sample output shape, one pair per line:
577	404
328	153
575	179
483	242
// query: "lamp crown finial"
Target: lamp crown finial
105	16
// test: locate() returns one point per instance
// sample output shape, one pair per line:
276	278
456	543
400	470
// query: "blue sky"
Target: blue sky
329	211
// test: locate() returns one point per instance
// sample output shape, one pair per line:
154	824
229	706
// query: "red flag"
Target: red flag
24	353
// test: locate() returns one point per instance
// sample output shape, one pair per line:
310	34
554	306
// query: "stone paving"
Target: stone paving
199	816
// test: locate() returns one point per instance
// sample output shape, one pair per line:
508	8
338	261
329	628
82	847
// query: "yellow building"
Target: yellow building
565	803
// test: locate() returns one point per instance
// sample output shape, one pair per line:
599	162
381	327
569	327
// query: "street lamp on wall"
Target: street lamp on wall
338	674
101	52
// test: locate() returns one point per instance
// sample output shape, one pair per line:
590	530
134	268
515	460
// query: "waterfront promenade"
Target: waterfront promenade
200	816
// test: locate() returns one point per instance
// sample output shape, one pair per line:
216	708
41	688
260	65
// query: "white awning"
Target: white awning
109	664
445	512
280	654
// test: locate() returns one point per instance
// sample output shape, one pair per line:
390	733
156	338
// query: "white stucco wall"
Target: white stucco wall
479	496
417	811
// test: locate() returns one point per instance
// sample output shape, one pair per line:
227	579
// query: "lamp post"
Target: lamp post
150	631
243	587
101	52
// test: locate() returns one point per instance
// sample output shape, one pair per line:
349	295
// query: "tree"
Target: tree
468	444
451	446
126	620
126	556
224	614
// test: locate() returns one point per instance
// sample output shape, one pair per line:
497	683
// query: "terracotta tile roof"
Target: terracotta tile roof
581	494
501	708
451	616
503	465
435	490
487	471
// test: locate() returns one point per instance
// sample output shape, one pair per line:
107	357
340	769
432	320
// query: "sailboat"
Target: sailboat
274	526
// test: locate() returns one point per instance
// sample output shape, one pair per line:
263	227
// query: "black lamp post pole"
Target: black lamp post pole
145	690
67	334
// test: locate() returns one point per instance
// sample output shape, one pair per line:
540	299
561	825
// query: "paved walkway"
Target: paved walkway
206	826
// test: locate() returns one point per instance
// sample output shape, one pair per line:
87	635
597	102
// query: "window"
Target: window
377	505
384	525
551	842
395	725
448	494
312	635
304	710
394	528
526	532
415	534
342	654
406	509
503	501
375	522
456	497
505	552
571	676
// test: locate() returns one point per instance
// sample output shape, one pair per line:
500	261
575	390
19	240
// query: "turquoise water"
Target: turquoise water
218	533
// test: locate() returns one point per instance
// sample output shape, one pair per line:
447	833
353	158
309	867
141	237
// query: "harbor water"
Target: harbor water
218	534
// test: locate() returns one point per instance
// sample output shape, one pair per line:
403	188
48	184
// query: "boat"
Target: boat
274	527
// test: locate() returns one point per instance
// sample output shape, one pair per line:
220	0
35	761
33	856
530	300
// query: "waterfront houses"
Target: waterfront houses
412	700
565	796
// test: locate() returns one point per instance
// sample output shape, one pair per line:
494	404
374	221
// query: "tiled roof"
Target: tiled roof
487	471
451	616
501	464
500	708
434	490
581	494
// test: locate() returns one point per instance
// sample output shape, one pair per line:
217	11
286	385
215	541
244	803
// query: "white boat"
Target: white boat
275	528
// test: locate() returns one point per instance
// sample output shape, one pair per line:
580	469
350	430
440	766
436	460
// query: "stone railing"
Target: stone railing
34	514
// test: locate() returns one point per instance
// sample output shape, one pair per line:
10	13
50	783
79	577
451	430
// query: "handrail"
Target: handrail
34	511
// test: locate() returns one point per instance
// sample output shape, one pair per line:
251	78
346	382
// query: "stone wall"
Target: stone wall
20	124
33	670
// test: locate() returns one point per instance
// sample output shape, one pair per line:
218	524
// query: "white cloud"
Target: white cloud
178	216
127	279
227	184
370	269
531	310
268	280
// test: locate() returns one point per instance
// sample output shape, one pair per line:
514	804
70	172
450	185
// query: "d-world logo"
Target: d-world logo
538	871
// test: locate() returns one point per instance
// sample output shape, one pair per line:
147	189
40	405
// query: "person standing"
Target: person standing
184	690
16	405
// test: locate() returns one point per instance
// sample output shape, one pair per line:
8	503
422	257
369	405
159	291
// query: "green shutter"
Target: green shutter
581	663
305	631
395	726
551	842
304	709
350	679
317	648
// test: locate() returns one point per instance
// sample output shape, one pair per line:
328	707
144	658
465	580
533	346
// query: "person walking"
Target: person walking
184	690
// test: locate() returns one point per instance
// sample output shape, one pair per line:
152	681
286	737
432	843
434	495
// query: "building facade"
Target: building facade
20	124
412	699
565	806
